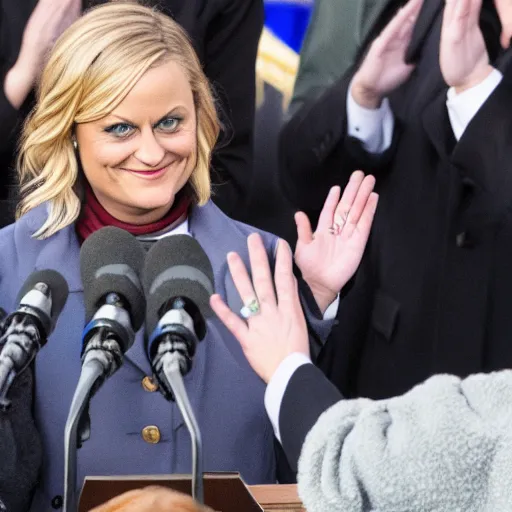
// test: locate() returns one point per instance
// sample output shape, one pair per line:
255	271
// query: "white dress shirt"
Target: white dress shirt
374	128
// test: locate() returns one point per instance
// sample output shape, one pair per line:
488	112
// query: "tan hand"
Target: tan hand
328	259
279	329
48	20
463	55
504	8
384	68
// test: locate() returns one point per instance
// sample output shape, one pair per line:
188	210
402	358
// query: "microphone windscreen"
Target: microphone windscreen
57	285
111	261
177	266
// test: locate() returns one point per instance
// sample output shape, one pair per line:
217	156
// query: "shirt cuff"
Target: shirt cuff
464	106
330	312
277	386
374	128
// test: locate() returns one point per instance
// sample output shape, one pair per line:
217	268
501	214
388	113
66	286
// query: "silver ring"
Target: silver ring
251	309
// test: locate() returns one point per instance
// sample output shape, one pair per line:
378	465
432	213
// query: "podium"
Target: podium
223	492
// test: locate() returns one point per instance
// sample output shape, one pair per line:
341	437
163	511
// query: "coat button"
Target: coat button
151	434
149	385
57	502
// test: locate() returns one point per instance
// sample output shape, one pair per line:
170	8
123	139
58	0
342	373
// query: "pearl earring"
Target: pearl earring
75	144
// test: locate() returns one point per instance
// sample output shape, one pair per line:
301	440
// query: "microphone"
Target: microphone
178	281
111	261
110	264
25	332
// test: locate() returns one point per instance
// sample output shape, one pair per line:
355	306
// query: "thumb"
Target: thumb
506	35
304	231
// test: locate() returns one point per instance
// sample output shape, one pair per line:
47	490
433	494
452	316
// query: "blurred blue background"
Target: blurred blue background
288	20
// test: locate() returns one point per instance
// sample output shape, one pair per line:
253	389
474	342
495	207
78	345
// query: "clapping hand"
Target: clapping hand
48	20
329	257
463	55
384	68
504	8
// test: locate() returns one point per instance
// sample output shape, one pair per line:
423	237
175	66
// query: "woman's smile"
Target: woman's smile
148	174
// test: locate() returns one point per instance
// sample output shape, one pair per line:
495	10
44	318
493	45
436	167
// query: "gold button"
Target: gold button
151	434
149	385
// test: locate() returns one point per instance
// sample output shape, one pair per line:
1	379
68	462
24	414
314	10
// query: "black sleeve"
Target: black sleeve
230	64
9	116
317	153
307	396
20	447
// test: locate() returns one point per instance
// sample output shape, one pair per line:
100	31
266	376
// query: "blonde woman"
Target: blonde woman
121	135
225	34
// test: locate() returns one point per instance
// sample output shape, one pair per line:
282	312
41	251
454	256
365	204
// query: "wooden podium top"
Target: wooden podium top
277	498
224	492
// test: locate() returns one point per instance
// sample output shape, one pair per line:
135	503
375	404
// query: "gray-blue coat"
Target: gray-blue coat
226	394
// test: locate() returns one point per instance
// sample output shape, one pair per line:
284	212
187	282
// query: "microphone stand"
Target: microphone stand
102	357
172	371
92	371
175	340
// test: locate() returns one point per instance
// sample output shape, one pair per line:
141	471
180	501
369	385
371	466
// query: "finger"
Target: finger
506	36
407	30
449	10
241	278
327	216
286	287
347	200
454	25
236	326
409	12
304	231
261	273
474	8
365	223
360	201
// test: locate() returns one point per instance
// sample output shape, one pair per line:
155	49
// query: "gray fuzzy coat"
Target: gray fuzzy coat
446	445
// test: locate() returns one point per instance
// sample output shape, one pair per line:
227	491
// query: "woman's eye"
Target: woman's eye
120	130
170	124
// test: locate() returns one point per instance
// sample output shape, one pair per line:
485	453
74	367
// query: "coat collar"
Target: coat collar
61	252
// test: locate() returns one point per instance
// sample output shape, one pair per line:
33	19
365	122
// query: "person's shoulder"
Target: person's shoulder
225	226
23	228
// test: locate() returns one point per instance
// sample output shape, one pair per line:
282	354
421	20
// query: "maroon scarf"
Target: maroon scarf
94	217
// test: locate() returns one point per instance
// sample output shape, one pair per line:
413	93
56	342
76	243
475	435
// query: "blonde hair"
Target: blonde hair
91	69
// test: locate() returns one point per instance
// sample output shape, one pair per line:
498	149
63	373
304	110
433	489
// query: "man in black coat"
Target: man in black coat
433	292
225	35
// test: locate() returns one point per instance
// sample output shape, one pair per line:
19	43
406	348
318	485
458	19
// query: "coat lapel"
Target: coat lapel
436	124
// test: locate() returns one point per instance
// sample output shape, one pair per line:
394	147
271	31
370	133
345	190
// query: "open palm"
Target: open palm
329	257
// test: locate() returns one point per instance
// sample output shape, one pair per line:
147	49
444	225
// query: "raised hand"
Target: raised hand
504	8
463	55
329	257
384	68
277	327
48	20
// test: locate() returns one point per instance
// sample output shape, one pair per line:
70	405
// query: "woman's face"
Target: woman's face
137	158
